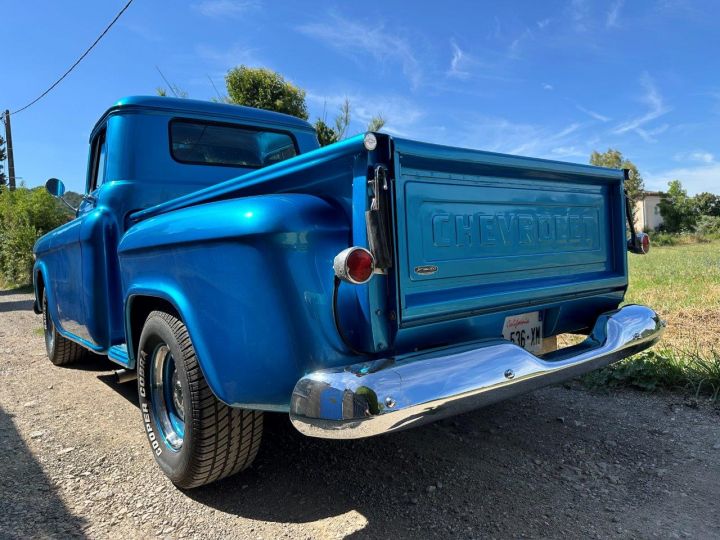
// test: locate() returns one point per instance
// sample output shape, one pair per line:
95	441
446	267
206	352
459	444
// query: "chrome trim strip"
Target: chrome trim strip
382	396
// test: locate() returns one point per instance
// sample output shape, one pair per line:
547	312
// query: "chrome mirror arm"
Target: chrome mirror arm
70	206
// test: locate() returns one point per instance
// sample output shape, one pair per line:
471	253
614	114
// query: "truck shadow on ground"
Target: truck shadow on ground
30	505
16	305
25	289
559	462
468	475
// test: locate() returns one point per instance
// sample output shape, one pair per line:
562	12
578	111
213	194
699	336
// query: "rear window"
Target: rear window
208	143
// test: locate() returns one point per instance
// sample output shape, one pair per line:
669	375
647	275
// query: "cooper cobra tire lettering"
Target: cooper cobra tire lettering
217	440
149	431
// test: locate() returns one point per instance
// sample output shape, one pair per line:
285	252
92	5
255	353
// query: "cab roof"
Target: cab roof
205	108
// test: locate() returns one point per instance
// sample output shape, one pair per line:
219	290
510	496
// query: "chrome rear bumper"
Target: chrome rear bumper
381	396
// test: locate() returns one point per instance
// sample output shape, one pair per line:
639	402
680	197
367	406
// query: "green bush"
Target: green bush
25	215
708	226
663	368
660	238
663	239
265	89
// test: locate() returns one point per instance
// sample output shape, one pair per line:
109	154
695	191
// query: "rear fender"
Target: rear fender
252	280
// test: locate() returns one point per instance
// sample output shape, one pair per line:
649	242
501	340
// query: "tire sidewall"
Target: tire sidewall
47	322
174	463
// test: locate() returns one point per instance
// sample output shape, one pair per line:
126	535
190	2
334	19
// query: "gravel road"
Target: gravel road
561	462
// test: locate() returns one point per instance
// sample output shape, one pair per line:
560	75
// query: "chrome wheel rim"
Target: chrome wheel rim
166	395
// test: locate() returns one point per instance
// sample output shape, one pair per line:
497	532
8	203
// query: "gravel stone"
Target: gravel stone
561	462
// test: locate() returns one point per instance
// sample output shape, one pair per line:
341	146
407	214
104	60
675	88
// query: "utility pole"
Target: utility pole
10	158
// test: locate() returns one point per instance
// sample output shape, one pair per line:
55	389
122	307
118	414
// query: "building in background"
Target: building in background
647	211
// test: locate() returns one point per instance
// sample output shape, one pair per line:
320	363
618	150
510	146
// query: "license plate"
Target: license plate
525	330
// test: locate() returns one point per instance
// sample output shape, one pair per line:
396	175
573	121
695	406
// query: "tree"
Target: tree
176	90
25	215
614	159
376	123
265	89
3	180
342	120
677	209
325	134
707	204
328	135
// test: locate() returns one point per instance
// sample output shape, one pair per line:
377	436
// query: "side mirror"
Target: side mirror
55	187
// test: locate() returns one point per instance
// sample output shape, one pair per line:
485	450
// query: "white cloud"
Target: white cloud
355	39
716	105
225	8
517	44
698	156
648	135
697	179
543	23
547	86
227	58
656	109
459	62
566	152
505	136
593	114
614	13
704	157
401	115
578	15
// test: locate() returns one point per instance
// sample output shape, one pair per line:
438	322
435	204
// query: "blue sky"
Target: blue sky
553	79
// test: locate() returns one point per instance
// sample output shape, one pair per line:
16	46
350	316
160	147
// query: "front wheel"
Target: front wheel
60	350
196	439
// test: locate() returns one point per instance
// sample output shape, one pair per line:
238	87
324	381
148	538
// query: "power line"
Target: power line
46	92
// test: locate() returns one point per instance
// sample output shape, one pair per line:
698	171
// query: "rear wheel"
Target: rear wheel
60	350
196	439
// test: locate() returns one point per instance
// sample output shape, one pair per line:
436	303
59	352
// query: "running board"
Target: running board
119	355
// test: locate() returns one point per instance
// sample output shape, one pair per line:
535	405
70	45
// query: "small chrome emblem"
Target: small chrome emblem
509	374
426	270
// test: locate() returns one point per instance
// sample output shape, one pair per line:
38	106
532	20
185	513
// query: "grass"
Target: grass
682	283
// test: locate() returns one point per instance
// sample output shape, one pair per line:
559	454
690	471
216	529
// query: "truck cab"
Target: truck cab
140	156
231	267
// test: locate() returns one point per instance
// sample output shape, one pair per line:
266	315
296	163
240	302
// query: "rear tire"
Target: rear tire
60	350
196	439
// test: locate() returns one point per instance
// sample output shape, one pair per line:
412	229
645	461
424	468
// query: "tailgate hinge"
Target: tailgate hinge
377	218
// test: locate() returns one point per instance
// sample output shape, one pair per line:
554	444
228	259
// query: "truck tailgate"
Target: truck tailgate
479	232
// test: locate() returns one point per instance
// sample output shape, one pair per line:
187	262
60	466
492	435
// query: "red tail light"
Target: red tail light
641	245
354	265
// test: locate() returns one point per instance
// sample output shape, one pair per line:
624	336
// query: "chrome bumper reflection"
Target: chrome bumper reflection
388	395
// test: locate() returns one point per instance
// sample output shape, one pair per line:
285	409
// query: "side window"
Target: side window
99	157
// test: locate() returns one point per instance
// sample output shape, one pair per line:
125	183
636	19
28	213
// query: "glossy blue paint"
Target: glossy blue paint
139	173
119	355
245	256
503	232
252	279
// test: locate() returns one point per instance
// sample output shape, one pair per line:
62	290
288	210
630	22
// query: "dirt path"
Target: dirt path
558	463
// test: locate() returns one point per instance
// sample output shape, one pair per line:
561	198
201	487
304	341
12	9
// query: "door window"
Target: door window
99	159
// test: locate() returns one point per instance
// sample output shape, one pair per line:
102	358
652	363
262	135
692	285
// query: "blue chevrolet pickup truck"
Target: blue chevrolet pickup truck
232	266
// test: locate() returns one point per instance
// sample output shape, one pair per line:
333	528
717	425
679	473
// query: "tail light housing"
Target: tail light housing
640	244
354	265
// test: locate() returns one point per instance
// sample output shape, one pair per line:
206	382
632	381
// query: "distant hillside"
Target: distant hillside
73	199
